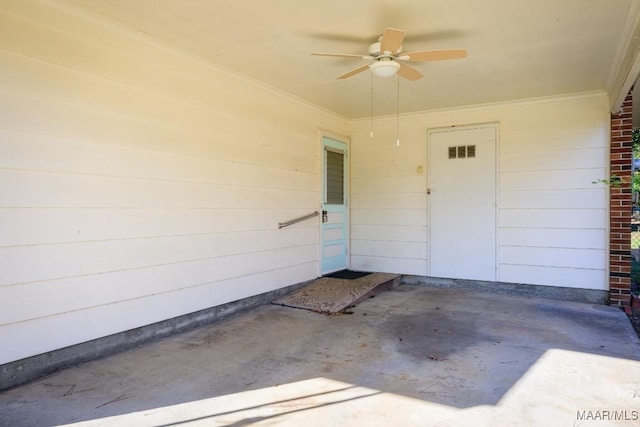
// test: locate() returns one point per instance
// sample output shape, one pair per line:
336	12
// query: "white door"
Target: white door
462	203
334	231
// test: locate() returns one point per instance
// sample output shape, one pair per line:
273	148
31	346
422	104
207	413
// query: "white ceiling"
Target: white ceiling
516	48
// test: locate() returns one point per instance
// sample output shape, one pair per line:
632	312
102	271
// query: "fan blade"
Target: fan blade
344	55
434	55
409	72
391	40
354	72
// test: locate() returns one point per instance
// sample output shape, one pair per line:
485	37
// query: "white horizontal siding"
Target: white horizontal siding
561	140
554	276
388	204
590	158
552	219
389	264
393	249
578	238
223	166
394	200
385	216
389	232
386	184
61	260
553	257
33	226
567	179
382	148
560	218
97	285
590	198
138	183
68	328
75	122
28	188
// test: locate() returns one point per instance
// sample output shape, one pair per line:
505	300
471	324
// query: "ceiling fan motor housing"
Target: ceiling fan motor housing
375	50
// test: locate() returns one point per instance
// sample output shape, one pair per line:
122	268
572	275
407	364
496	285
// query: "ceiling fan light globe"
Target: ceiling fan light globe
384	68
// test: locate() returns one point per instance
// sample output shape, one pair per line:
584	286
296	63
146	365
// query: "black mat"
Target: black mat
347	274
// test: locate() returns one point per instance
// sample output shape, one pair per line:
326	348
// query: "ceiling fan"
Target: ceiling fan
387	57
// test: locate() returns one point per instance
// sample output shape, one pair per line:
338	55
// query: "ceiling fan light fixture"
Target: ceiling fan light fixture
384	68
387	52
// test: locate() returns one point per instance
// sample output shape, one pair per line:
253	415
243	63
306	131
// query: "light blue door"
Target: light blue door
334	233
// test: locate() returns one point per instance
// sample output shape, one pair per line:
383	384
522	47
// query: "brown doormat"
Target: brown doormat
330	296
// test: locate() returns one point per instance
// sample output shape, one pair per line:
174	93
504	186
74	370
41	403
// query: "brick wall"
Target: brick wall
620	207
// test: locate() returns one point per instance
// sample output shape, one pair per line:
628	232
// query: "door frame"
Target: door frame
321	193
453	128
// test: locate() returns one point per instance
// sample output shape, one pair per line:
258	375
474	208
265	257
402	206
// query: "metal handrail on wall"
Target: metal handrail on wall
297	220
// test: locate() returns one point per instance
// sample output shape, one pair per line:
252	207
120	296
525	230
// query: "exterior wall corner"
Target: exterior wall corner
620	205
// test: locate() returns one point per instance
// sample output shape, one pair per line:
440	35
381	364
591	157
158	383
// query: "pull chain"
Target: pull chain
371	111
398	113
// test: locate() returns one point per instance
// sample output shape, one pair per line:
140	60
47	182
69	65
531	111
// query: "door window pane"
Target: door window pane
335	178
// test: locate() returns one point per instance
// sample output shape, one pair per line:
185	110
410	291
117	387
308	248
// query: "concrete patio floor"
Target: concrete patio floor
414	355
